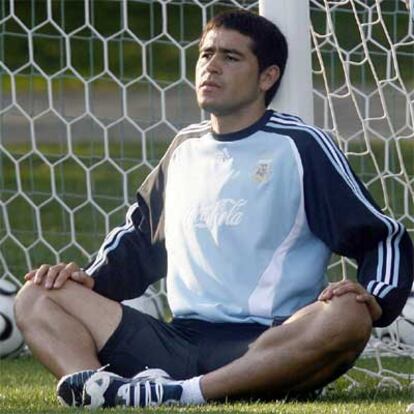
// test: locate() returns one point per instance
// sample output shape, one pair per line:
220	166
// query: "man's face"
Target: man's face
227	73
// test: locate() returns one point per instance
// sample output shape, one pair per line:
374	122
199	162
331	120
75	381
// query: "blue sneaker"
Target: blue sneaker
105	389
69	389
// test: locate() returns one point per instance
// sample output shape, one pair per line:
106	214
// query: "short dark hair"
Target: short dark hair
269	43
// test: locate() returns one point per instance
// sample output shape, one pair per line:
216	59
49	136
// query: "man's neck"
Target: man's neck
226	124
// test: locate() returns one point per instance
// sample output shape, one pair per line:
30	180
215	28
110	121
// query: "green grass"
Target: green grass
26	387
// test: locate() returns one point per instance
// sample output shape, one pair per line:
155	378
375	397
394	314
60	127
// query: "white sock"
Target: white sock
192	391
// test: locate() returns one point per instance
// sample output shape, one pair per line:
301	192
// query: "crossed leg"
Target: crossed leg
66	328
312	348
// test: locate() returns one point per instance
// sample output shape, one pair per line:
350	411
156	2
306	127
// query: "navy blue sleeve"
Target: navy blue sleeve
341	213
133	255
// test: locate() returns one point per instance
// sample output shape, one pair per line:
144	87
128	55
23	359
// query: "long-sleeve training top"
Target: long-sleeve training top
243	225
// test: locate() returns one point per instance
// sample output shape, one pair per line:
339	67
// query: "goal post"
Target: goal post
90	97
293	19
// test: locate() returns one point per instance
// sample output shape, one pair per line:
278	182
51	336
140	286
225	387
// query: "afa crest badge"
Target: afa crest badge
263	171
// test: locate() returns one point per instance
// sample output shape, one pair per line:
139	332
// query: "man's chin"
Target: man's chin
205	106
212	108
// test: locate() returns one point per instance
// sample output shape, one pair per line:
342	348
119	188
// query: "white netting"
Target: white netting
91	95
364	92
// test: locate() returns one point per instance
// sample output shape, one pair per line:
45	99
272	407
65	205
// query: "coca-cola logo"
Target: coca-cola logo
226	212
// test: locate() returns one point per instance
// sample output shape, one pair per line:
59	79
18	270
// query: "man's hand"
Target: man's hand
54	277
347	286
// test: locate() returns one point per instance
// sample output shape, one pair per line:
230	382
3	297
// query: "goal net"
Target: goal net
91	93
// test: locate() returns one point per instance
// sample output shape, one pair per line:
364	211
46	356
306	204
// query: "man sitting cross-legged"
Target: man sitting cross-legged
241	216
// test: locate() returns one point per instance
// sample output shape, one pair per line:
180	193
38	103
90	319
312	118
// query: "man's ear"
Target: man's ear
268	77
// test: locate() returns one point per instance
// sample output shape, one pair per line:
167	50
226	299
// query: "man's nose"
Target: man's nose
213	65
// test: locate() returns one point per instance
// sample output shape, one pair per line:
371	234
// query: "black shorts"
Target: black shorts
184	347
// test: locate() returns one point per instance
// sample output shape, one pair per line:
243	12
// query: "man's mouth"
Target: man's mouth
208	84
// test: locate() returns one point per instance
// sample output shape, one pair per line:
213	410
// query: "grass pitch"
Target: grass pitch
26	387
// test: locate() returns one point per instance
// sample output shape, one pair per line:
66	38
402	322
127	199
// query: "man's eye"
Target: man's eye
232	58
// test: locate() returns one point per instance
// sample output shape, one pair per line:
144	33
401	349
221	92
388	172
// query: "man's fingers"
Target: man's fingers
78	276
330	291
374	308
364	297
72	267
40	273
326	294
347	288
61	278
52	274
65	274
340	288
83	278
30	275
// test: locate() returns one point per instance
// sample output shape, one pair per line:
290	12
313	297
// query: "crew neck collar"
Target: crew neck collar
243	133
